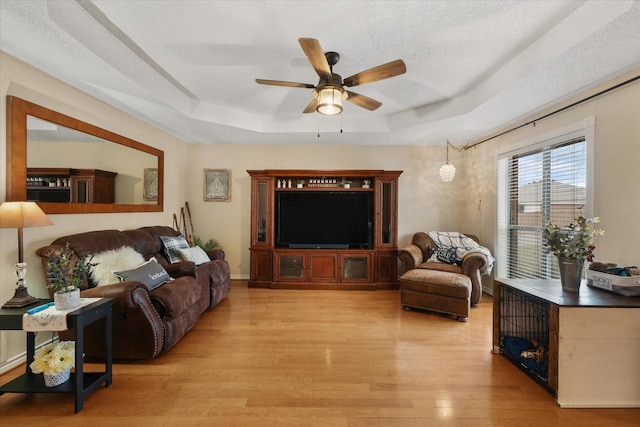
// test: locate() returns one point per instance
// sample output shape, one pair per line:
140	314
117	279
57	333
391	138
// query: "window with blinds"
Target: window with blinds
545	184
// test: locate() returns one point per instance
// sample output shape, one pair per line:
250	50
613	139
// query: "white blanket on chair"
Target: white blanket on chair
463	245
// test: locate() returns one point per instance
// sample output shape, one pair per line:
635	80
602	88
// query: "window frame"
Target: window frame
582	130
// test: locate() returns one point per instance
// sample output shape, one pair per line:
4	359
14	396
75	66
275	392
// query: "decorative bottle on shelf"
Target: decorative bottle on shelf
279	184
289	184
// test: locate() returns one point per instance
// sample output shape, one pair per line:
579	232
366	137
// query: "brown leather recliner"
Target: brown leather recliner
416	254
146	323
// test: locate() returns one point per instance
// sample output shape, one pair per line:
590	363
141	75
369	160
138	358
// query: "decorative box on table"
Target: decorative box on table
627	286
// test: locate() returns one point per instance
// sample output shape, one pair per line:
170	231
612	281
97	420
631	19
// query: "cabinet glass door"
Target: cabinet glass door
82	190
385	221
356	267
262	204
291	267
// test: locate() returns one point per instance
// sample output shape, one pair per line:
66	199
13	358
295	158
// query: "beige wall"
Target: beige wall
424	201
617	168
19	79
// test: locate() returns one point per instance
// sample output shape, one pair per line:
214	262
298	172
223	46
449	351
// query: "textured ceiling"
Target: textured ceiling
189	67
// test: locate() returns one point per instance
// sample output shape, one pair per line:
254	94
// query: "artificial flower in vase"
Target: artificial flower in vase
572	245
66	274
55	362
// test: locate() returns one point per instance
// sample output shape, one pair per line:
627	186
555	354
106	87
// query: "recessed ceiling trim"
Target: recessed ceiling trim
110	44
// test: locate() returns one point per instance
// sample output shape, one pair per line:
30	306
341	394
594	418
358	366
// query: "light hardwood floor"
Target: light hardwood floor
317	358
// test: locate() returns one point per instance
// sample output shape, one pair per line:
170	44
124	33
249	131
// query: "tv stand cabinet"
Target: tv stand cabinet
321	267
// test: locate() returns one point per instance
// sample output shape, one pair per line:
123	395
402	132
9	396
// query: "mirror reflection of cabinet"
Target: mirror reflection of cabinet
67	185
93	186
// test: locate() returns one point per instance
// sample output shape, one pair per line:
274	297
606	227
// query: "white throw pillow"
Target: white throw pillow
195	254
123	258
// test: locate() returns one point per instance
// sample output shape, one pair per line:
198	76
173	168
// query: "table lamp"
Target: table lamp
21	215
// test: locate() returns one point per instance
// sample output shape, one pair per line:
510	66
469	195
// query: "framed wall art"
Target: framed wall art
150	183
217	185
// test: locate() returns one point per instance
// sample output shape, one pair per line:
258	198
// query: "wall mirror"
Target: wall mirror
69	166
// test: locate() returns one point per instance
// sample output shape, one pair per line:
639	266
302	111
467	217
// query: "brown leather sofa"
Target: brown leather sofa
416	254
146	323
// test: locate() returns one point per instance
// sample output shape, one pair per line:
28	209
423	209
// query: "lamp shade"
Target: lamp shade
447	172
329	101
22	215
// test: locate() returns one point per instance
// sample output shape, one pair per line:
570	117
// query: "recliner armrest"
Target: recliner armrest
411	257
216	253
472	263
136	323
182	268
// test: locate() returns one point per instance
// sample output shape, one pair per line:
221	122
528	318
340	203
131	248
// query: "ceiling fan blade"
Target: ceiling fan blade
315	54
281	83
311	108
363	101
381	72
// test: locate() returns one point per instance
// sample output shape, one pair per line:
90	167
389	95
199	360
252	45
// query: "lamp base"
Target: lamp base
21	298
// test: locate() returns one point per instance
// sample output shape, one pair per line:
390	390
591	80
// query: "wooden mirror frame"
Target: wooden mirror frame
17	111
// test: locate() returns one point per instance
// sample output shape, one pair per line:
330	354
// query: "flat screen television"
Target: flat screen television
324	220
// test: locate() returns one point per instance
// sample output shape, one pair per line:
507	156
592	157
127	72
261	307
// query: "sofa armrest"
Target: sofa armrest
411	257
472	264
216	253
217	275
137	328
182	268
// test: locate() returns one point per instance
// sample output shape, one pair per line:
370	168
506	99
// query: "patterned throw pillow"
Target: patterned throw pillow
447	255
171	246
150	273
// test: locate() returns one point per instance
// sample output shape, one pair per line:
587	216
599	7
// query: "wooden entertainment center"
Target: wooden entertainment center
319	267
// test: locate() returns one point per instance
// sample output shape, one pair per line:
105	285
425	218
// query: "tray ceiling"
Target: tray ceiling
189	67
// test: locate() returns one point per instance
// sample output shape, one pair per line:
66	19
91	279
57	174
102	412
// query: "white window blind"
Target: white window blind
547	183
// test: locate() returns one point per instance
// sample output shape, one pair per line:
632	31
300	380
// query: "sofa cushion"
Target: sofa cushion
171	246
440	266
109	261
150	273
195	254
437	283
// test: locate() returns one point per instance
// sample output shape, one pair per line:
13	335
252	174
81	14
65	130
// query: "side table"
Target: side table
81	383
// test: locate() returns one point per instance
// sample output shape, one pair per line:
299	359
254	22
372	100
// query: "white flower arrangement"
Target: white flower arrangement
575	241
54	358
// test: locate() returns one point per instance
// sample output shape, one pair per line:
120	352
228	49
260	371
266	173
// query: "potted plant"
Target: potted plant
206	246
66	275
572	245
55	361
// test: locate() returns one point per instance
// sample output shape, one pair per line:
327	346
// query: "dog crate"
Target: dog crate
524	332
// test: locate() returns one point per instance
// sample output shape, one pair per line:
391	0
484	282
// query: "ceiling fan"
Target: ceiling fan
330	91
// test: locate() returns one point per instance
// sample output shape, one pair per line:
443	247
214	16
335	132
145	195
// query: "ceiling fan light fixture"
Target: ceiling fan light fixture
330	100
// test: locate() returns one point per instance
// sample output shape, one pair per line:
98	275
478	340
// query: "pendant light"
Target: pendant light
447	171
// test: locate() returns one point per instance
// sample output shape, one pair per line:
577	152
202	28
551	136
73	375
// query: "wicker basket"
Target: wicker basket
52	380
